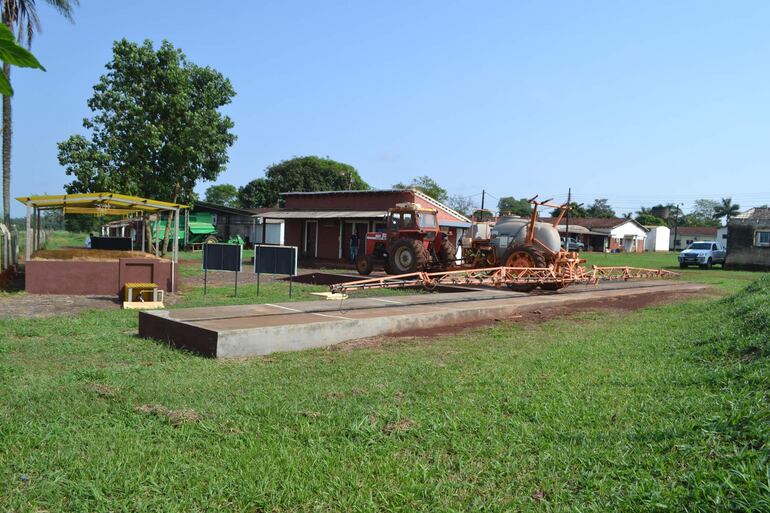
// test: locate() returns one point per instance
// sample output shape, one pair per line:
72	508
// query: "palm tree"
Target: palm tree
644	211
726	209
21	16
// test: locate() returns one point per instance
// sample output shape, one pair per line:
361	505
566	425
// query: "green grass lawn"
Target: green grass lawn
661	409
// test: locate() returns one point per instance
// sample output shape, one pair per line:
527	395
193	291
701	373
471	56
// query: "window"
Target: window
395	220
427	219
762	238
714	247
408	221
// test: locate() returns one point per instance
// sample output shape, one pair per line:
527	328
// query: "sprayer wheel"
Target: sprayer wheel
520	255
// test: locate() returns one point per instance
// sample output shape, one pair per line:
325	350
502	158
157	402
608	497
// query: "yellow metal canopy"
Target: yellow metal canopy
99	203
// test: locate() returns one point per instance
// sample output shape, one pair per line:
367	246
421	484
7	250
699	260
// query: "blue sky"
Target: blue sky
638	102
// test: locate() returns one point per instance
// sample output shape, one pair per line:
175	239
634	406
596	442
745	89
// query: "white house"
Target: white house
608	234
722	235
658	238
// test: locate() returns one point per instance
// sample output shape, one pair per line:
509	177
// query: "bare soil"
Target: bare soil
87	254
623	303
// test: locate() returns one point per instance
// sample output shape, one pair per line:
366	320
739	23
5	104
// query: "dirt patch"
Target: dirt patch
102	390
400	426
622	303
174	417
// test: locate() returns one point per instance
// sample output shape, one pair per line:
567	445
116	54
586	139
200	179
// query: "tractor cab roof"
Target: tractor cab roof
411	207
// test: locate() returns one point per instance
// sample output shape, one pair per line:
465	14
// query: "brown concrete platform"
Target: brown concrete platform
250	330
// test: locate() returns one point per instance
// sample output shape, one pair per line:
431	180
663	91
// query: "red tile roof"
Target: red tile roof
594	223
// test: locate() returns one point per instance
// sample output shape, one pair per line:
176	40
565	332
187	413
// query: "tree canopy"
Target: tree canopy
462	204
517	207
156	129
725	209
223	194
600	208
425	185
577	210
299	174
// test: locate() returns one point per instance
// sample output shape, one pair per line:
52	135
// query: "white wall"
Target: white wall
722	235
629	231
658	238
274	232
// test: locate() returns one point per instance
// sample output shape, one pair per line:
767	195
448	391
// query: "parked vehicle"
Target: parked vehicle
704	254
413	242
201	230
571	244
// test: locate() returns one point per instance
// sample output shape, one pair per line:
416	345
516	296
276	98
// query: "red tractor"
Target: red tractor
412	243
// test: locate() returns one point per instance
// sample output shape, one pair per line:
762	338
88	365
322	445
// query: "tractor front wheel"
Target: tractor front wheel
210	239
523	256
364	264
408	256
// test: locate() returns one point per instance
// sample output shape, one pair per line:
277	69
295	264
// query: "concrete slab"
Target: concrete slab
260	329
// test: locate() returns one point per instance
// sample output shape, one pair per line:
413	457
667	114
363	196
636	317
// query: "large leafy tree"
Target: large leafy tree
463	204
517	207
156	129
223	194
310	174
645	217
726	209
258	193
426	185
702	214
20	16
600	208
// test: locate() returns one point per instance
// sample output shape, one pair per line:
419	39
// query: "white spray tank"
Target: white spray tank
513	230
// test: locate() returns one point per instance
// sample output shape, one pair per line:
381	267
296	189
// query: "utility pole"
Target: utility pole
481	214
676	224
569	203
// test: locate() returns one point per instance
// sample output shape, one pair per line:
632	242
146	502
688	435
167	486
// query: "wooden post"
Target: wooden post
176	247
28	251
186	227
157	233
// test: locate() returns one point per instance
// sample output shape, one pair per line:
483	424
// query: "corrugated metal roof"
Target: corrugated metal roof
323	214
577	229
454	224
344	214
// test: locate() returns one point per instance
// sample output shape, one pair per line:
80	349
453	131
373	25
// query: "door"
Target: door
361	229
719	252
311	239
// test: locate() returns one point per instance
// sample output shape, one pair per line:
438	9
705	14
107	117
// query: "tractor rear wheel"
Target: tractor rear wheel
520	255
364	264
210	239
446	253
407	256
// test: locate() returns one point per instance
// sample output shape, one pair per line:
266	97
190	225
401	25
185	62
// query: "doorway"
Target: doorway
350	227
311	239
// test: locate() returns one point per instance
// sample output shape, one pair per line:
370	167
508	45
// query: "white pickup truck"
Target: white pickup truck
704	254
